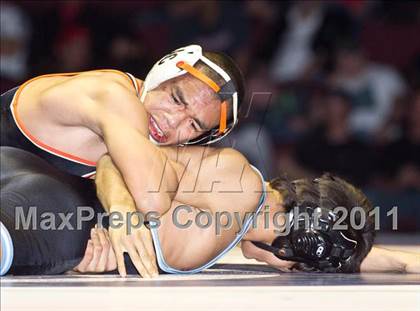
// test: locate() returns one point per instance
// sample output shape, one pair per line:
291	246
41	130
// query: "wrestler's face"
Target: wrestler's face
181	109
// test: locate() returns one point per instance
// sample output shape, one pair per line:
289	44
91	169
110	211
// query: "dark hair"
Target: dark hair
329	191
227	64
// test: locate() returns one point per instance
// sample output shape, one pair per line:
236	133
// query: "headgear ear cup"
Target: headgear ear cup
168	68
316	244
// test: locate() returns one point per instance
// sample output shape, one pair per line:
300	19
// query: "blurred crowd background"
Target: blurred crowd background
332	85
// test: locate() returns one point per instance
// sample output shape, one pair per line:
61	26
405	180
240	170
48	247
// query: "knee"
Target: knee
42	190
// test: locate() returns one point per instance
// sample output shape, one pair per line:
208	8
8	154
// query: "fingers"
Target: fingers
146	238
136	259
120	263
144	245
103	250
119	249
87	258
119	254
99	255
97	251
112	259
139	246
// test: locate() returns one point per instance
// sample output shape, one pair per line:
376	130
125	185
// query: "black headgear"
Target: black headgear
313	240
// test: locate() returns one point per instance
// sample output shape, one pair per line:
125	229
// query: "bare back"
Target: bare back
214	181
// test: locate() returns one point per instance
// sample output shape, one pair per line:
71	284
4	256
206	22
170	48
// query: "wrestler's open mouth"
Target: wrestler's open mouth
155	131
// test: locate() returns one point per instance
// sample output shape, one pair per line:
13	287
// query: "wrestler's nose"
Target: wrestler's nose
175	119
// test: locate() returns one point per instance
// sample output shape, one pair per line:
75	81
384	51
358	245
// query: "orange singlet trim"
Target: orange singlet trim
36	141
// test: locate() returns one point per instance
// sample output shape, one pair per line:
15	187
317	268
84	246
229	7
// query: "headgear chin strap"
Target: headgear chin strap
313	242
182	61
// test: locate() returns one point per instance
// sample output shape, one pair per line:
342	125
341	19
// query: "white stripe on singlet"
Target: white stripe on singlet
133	79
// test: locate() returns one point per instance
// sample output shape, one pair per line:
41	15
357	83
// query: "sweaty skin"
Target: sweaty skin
195	170
91	113
205	179
97	112
67	112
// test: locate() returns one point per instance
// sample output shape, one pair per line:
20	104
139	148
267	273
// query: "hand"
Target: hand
99	255
139	246
250	251
413	263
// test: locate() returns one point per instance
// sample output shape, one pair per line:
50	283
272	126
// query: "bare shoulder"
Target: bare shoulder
94	84
107	76
89	97
226	158
224	168
113	81
233	179
198	155
236	173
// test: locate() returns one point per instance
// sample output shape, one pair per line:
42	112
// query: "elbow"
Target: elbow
152	204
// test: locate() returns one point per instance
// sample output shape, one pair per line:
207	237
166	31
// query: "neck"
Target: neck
270	220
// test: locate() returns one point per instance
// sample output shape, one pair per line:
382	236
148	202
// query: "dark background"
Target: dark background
332	85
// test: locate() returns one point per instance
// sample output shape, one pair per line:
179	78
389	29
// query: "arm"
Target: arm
225	183
110	187
114	196
385	260
109	107
378	260
142	165
226	186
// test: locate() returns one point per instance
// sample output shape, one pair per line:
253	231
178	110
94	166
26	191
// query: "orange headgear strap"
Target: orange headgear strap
213	85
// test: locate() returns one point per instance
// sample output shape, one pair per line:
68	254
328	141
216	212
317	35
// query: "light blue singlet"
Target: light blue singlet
7	250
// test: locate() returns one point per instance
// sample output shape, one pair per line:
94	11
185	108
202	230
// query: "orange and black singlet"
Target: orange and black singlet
14	134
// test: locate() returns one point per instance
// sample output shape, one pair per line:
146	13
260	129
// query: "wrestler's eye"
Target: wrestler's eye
176	100
194	126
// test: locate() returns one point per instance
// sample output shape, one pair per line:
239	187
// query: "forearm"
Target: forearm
142	165
110	187
385	260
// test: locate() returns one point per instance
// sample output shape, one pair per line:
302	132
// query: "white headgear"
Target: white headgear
182	61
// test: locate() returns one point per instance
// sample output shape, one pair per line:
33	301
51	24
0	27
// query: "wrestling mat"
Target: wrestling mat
234	284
